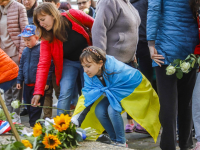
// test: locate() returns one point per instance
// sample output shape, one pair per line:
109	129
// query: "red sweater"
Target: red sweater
197	48
55	50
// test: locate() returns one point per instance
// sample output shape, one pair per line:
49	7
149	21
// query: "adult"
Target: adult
63	40
173	34
86	4
13	20
195	6
30	6
142	55
65	6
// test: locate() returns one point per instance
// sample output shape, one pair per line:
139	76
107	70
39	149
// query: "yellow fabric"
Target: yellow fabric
142	105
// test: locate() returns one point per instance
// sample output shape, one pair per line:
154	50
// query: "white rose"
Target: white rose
185	66
170	70
15	104
86	11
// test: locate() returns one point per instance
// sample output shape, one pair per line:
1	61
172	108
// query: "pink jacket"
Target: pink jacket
16	22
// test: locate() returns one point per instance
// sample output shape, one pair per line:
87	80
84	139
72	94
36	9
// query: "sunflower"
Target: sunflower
37	130
62	122
27	143
51	141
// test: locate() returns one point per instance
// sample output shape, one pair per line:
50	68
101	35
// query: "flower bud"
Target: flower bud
185	66
170	70
86	11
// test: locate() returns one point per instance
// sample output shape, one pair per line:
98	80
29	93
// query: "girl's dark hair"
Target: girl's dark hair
30	12
96	54
59	27
194	5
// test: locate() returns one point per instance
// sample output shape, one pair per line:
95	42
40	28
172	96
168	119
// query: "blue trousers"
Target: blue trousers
111	120
68	83
7	85
34	112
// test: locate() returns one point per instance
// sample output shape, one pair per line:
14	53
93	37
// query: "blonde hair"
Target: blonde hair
59	26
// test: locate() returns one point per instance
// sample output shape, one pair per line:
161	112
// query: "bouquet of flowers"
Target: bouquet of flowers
56	134
182	66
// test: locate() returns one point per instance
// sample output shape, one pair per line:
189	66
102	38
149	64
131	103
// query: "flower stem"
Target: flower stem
48	107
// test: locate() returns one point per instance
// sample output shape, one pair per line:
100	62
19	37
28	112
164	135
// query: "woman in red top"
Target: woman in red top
195	5
63	41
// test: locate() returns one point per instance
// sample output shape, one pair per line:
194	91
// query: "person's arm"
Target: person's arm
20	77
43	68
106	15
23	21
153	17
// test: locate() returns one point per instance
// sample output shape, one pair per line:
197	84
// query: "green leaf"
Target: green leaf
188	57
176	61
19	145
40	120
179	74
70	136
193	63
192	55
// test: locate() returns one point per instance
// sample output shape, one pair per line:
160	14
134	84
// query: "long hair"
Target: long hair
59	27
194	5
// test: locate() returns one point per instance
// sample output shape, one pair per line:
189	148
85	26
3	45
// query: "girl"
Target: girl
195	5
113	86
63	40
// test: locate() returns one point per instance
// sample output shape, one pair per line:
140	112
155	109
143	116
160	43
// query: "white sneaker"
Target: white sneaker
55	104
122	145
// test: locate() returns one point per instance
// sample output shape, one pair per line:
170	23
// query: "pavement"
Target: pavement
135	141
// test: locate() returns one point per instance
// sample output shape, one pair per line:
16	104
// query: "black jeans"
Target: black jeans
34	112
175	97
145	62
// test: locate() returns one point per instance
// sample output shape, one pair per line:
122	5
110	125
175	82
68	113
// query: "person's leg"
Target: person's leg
196	107
167	91
67	84
48	102
185	89
101	112
118	124
34	112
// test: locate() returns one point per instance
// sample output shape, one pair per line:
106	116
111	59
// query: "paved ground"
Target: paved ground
135	141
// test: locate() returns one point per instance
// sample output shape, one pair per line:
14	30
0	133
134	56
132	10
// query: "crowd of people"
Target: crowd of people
104	59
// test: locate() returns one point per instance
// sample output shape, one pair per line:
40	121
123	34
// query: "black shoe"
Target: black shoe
104	139
24	112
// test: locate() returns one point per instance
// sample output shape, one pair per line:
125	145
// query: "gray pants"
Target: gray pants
196	107
13	93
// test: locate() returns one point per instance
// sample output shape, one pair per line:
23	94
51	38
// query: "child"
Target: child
114	86
27	71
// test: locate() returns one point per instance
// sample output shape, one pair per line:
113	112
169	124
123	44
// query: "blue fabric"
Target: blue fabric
28	31
171	25
92	12
30	20
68	83
111	120
7	85
28	66
119	85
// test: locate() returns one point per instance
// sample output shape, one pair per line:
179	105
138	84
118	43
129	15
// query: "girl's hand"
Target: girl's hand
35	100
155	56
46	87
18	86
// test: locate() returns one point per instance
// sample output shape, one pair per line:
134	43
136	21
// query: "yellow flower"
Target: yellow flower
62	122
51	141
37	130
27	143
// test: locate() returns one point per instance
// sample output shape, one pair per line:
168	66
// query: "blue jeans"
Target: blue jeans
111	120
68	83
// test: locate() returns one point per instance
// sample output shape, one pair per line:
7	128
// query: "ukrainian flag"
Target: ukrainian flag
127	90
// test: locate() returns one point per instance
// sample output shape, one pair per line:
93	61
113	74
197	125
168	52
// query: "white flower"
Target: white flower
185	66
86	11
170	70
28	148
15	104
